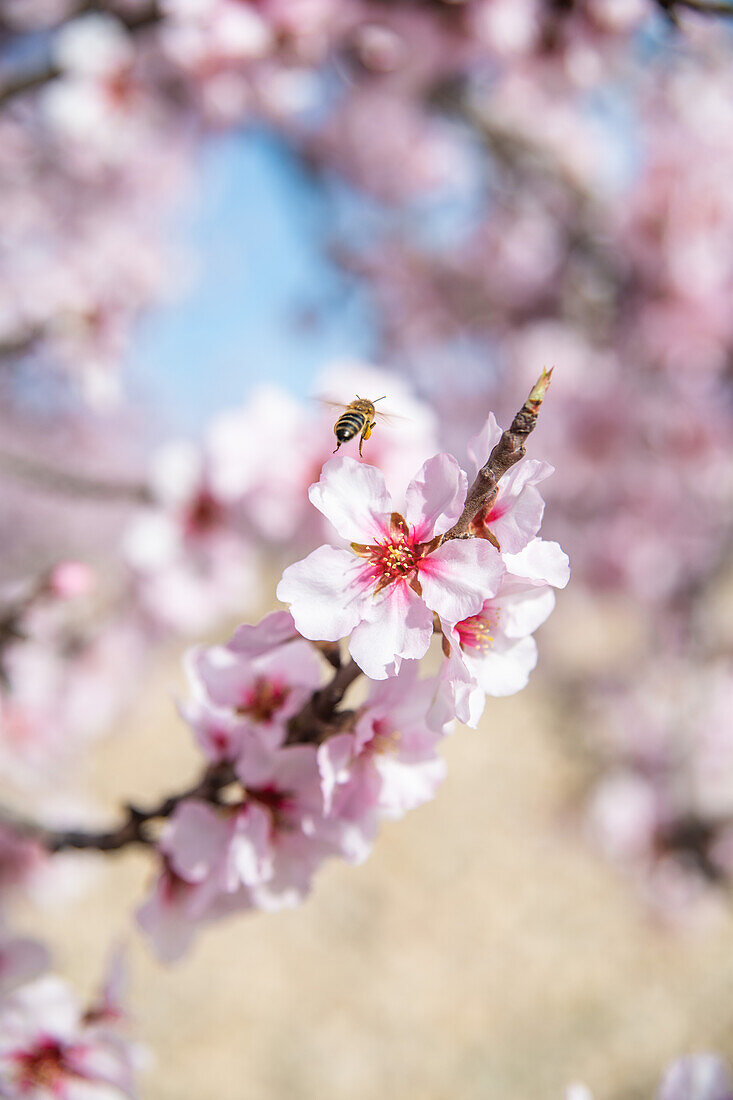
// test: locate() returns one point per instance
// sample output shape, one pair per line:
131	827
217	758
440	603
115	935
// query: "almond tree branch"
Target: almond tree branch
510	448
702	7
72	484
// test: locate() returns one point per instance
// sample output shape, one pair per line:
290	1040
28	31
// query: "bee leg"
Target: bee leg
364	435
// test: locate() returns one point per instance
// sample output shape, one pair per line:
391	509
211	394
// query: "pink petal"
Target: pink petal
435	497
218	733
404	786
517	513
296	665
459	576
334	756
399	625
273	630
167	919
325	592
354	497
249	857
458	695
225	676
196	840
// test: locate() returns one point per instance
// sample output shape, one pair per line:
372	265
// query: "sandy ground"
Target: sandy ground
483	952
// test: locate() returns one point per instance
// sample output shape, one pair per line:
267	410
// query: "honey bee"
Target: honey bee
358	418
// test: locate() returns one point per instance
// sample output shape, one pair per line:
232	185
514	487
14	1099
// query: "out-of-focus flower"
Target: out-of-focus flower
70	579
251	686
48	1050
696	1077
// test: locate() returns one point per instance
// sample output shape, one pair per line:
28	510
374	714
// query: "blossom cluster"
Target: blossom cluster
305	779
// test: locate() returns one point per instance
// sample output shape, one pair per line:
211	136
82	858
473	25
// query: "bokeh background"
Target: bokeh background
212	212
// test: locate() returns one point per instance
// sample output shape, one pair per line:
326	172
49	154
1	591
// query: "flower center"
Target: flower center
392	560
263	701
394	557
478	631
385	739
41	1067
280	803
203	515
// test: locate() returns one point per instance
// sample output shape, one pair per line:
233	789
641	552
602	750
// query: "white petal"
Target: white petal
400	625
354	497
459	577
541	562
504	672
521	614
325	592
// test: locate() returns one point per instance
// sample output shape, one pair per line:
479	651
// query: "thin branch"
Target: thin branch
71	484
510	448
134	828
702	7
320	714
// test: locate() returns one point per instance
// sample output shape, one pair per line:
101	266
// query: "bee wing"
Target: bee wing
391	418
384	417
327	403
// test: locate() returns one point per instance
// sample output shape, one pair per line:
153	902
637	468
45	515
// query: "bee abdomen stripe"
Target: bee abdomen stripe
350	422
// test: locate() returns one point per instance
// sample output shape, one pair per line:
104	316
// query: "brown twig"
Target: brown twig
510	448
702	7
320	714
134	828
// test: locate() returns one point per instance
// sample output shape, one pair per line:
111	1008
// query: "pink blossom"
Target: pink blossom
252	685
221	848
260	853
285	784
384	591
70	579
493	651
47	1051
172	913
388	764
192	564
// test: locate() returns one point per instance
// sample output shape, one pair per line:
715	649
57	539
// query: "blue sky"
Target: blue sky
255	229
